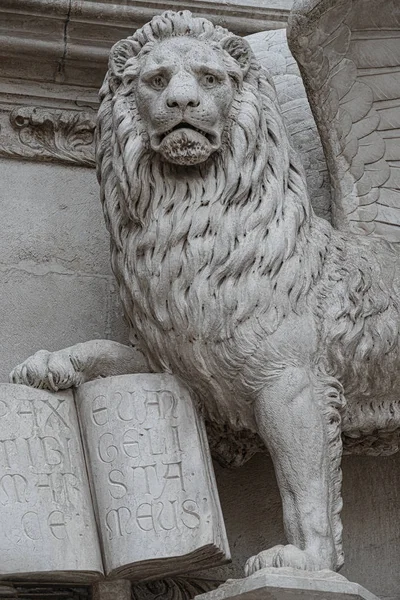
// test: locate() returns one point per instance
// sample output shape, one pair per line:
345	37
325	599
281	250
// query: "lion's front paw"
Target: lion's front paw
50	370
282	556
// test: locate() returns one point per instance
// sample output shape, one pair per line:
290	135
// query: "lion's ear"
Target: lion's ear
240	50
120	53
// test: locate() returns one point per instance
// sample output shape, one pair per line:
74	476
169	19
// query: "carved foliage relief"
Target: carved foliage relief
49	135
179	588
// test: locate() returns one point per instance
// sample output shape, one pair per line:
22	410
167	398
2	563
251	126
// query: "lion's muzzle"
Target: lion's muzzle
186	145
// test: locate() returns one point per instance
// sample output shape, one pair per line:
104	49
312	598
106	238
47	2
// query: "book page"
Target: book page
151	472
48	530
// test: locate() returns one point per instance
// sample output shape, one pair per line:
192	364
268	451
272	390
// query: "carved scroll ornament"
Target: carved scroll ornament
49	135
178	588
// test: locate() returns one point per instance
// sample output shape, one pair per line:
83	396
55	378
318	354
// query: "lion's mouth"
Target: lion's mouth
186	128
185	144
183	125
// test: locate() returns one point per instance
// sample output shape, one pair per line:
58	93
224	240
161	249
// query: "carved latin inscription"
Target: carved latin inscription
45	508
150	467
153	489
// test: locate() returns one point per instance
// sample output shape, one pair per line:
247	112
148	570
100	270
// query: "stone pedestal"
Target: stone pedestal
120	589
286	584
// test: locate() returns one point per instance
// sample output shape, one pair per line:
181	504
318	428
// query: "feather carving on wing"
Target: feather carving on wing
272	52
349	56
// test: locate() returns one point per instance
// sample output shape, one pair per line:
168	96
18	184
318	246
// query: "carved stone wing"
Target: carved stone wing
272	51
349	56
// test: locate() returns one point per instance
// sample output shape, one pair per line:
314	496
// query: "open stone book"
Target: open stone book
116	482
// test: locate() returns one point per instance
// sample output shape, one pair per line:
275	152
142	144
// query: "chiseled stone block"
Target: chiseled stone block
287	584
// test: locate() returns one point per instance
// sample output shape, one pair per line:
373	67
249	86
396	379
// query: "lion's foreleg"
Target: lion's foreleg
292	423
77	364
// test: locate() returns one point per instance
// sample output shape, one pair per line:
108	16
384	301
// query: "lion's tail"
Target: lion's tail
333	404
372	428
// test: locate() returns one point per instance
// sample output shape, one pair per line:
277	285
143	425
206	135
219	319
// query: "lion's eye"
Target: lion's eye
158	82
209	80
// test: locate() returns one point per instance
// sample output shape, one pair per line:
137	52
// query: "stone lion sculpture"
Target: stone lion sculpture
283	326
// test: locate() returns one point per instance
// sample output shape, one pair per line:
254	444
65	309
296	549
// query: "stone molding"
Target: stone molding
68	41
177	588
41	591
7	592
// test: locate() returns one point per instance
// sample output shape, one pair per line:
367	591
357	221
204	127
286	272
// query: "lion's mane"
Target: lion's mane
209	264
248	204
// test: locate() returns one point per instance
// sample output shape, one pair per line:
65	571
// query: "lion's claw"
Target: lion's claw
50	370
282	556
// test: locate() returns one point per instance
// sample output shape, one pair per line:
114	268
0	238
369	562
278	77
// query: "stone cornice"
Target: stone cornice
67	41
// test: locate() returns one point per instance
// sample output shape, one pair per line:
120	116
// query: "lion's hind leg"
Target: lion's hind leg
298	417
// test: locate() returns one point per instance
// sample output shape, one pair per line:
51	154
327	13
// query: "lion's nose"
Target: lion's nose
182	96
182	102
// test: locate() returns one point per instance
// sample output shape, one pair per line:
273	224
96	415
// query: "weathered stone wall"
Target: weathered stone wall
55	279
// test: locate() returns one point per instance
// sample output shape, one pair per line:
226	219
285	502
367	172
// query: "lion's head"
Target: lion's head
183	76
185	104
184	92
192	153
